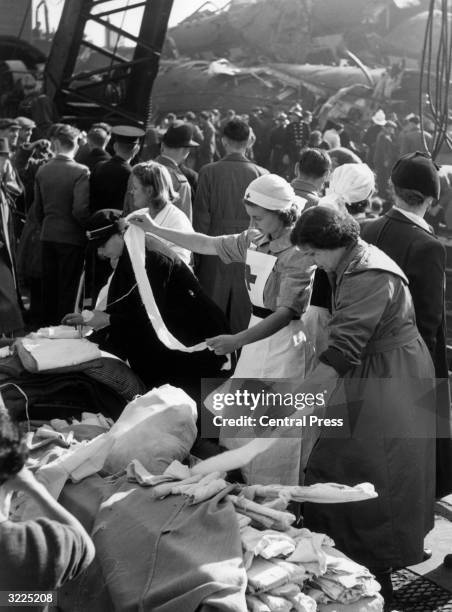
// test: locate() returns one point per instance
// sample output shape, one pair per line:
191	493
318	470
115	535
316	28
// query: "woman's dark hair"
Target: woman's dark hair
412	197
13	450
325	228
288	217
356	208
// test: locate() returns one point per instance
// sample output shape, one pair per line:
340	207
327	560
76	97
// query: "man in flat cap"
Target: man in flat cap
9	128
177	142
403	234
218	210
109	180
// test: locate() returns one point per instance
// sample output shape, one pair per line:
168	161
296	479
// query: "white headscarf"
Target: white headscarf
272	192
349	183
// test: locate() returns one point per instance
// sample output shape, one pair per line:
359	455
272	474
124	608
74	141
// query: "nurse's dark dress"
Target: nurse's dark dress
385	396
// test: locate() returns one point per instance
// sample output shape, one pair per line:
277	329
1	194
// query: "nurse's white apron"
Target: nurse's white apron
281	355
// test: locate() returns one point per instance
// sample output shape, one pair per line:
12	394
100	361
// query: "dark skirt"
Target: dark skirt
388	439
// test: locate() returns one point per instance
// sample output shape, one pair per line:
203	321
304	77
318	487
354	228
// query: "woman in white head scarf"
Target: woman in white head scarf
276	277
278	280
351	186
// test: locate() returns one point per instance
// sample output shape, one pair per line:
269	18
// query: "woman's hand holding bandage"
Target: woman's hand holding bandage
223	344
142	219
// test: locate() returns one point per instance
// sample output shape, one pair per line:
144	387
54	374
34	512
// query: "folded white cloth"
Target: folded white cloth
276	604
266	575
63	332
254	604
5	351
40	354
309	549
268	543
346	581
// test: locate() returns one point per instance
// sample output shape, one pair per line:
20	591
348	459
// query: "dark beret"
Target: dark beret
417	171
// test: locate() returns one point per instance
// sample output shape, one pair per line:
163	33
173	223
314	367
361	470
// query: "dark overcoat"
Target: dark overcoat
385	398
422	258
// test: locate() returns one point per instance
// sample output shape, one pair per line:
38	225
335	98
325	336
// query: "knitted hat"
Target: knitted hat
418	172
270	191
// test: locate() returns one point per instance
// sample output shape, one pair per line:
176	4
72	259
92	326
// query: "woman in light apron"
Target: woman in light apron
279	282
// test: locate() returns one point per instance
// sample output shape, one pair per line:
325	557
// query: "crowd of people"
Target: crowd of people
207	244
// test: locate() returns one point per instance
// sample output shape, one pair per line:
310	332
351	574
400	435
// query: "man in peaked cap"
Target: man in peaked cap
108	185
177	142
403	234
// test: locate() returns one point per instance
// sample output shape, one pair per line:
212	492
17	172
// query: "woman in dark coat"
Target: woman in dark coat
383	379
185	309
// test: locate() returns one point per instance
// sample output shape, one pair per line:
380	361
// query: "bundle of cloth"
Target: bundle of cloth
301	571
102	384
287	568
154	429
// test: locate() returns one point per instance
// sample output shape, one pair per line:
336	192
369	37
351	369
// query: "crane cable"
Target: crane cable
435	74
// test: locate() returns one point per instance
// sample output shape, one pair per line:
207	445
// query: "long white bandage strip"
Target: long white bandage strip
135	243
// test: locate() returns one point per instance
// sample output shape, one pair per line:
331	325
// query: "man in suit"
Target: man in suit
403	234
61	203
109	180
218	209
177	142
97	140
311	170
